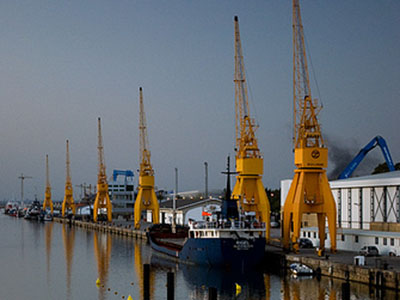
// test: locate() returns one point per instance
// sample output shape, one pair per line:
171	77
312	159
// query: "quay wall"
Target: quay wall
106	227
377	277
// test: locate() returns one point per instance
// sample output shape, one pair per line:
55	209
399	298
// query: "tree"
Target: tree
383	168
274	197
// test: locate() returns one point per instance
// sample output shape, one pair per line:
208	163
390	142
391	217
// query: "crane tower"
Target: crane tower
102	200
47	194
68	202
249	190
310	191
146	198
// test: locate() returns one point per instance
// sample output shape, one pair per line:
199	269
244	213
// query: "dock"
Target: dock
378	272
113	228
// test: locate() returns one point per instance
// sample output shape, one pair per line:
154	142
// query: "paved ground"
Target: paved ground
346	257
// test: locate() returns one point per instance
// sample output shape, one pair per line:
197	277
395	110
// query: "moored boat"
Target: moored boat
228	244
299	269
230	239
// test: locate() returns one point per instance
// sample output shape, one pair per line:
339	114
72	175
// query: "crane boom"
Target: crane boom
376	141
249	191
102	200
47	194
101	176
246	141
146	198
307	131
145	165
310	191
68	202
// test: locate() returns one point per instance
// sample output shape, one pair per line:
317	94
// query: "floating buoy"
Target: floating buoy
129	298
98	282
238	289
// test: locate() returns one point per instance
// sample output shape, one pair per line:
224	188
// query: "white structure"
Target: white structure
388	243
121	192
362	202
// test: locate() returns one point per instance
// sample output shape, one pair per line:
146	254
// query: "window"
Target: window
304	234
376	241
343	237
385	241
315	235
391	242
309	234
356	238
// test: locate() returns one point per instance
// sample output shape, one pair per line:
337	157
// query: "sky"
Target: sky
63	64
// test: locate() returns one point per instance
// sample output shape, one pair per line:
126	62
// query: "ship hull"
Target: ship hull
218	252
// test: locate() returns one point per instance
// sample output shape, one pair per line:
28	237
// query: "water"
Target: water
54	261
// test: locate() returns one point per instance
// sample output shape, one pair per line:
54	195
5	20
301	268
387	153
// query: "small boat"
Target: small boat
299	269
48	217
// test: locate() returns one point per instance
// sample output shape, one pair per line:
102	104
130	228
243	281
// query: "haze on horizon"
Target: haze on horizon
64	64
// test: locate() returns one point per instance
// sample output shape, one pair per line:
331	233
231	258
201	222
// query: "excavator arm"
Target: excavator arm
376	141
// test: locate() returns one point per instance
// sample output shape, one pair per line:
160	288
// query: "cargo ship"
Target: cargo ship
229	239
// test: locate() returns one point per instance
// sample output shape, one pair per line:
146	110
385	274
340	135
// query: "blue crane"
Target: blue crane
376	141
127	173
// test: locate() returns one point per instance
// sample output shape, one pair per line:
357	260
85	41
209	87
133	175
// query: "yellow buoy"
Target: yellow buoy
129	298
238	289
98	281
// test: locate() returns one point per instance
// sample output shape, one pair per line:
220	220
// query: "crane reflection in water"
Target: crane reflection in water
102	251
48	232
68	236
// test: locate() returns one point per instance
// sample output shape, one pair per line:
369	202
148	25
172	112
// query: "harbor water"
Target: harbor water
56	261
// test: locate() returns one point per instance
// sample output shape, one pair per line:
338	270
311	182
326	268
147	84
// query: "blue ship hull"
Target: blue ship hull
220	252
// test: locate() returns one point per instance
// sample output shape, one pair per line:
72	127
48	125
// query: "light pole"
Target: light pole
206	180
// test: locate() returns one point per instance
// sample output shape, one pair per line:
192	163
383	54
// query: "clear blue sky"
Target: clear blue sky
65	63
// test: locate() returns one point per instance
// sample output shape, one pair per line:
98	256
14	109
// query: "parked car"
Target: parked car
275	224
305	243
369	251
393	252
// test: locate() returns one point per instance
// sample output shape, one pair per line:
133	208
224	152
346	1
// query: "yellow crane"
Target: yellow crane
310	191
146	198
249	190
68	202
102	200
47	194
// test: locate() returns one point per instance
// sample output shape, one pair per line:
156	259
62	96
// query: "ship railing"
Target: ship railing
230	225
